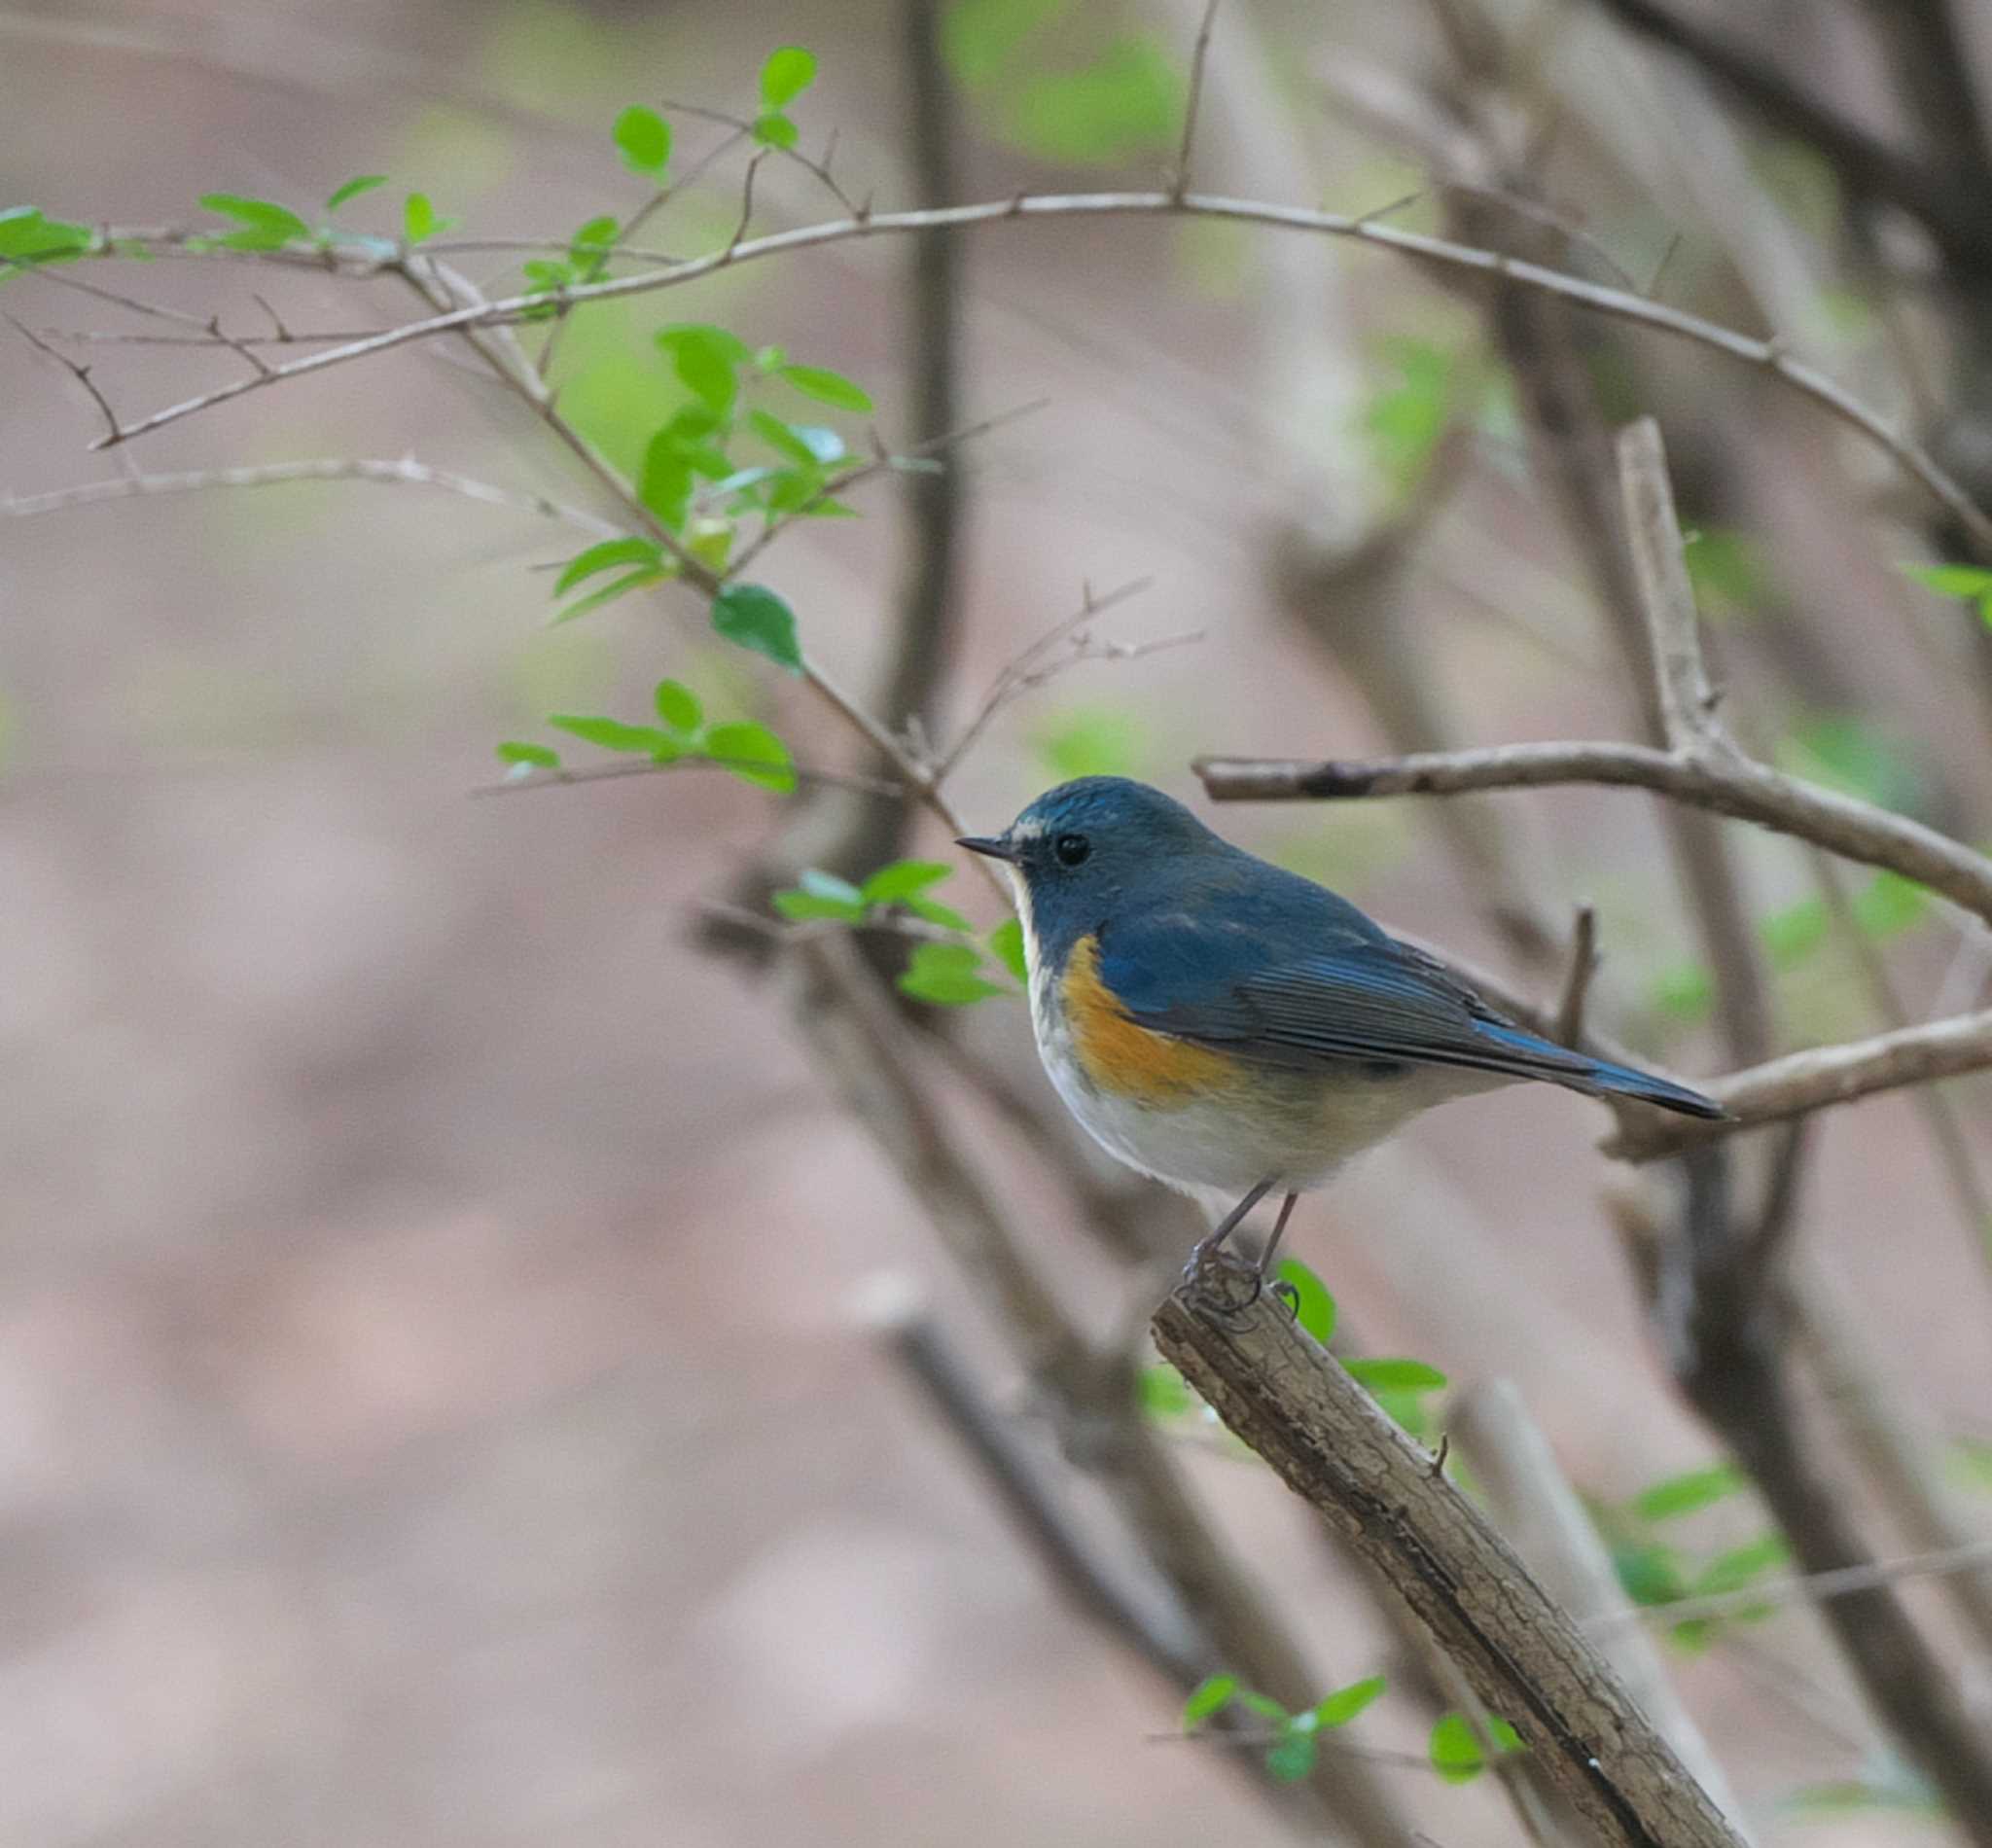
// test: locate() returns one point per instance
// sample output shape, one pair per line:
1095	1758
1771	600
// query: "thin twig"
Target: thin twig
1770	355
549	778
1199	56
407	472
80	373
1577	984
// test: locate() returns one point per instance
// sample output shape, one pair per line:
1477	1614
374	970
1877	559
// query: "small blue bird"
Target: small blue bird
1219	1023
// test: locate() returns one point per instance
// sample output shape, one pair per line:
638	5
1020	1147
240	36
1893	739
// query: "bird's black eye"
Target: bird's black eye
1071	849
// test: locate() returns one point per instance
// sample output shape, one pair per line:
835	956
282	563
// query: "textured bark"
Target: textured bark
1296	1407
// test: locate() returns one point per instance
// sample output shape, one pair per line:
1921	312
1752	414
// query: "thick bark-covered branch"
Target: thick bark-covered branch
1298	1409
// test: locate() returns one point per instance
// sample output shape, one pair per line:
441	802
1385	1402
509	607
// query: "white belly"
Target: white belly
1293	1128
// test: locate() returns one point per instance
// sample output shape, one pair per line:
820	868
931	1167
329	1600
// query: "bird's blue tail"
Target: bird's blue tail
1537	1057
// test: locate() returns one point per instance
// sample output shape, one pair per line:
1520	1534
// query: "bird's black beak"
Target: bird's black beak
995	846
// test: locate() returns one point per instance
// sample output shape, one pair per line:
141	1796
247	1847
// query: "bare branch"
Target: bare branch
1577	985
1029	669
1738	788
1199	56
648	766
1767	354
80	373
1686	700
406	473
1823	1076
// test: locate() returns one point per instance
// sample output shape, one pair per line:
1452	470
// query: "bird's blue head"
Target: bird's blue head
1080	850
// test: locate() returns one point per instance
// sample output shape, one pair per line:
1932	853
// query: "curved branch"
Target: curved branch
1767	354
1725	784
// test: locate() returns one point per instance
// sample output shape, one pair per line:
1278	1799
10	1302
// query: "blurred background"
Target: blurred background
442	1392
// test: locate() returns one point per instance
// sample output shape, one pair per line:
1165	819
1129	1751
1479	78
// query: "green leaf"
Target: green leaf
1313	1306
781	437
1650	1573
705	360
1455	1751
26	236
775	130
609	592
1687	1492
830	388
901	878
592	244
1165	1393
1292	1757
786	75
605	556
353	188
645	138
801	907
677	706
540	756
545	274
1005	944
1953	580
756	618
419	221
1345	1703
1263	1705
754	754
1743	1565
1396	1376
946	974
1208	1697
935	913
612	735
265	224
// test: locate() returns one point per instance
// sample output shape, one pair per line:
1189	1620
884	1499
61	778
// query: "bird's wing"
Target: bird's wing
1360	995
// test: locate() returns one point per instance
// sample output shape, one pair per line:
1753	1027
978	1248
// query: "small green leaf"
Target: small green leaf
605	556
1292	1757
781	438
1313	1306
801	907
756	618
1345	1703
1005	944
1454	1752
1953	580
1687	1492
1743	1565
1263	1705
545	274
27	236
1650	1573
677	706
775	130
754	754
935	913
265	224
612	735
705	363
539	756
830	388
901	878
1396	1376
592	244
1165	1393
353	188
787	74
946	974
1208	1697
609	592
645	138
419	221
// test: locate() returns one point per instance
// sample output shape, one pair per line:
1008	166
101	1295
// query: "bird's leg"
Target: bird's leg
1279	1227
1230	1223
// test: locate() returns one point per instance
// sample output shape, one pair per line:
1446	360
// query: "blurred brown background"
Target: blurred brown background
433	1408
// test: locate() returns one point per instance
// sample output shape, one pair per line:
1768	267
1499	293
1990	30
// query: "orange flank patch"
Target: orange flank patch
1123	1058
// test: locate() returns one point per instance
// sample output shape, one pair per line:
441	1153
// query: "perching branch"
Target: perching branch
1294	1404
